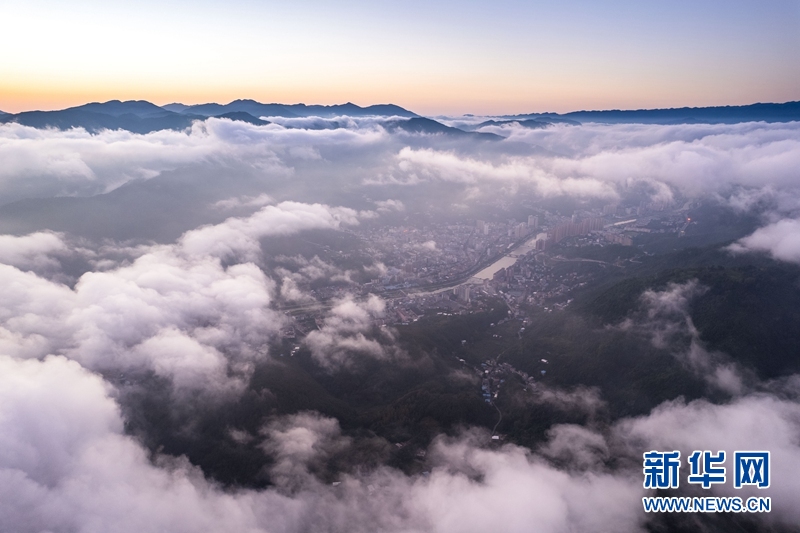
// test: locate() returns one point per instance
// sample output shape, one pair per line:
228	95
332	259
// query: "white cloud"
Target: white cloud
780	239
669	325
177	310
300	442
77	163
291	292
83	474
385	206
243	201
602	161
518	491
65	465
344	330
583	399
297	273
238	237
575	447
34	251
588	161
697	159
306	270
427	164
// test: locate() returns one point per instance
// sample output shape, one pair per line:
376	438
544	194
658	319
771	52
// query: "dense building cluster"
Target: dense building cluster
457	268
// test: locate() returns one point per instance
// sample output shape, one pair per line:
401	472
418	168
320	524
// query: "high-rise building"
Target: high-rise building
618	238
462	293
610	209
570	229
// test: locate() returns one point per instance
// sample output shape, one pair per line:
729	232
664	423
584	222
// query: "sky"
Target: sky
433	57
196	309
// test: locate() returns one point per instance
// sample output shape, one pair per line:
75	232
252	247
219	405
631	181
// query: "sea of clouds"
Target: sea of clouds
200	310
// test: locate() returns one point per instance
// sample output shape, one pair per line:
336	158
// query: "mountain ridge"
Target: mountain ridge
141	116
758	112
259	109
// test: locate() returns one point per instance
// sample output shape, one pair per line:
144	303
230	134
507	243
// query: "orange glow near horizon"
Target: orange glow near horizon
436	57
434	101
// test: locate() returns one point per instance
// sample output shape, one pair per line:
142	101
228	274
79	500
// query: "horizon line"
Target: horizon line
599	110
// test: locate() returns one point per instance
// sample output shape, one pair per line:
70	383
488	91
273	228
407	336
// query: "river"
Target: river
510	258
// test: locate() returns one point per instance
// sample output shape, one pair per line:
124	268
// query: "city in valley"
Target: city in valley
456	268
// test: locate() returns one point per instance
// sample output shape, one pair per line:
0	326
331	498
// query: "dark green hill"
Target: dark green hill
393	408
431	127
751	313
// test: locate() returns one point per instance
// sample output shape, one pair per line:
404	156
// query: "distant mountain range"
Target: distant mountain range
140	116
134	116
787	112
258	109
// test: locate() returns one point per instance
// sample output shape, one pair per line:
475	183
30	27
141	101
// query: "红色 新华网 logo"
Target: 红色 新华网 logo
706	468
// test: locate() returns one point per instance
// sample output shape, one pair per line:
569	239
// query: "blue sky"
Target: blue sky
433	57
